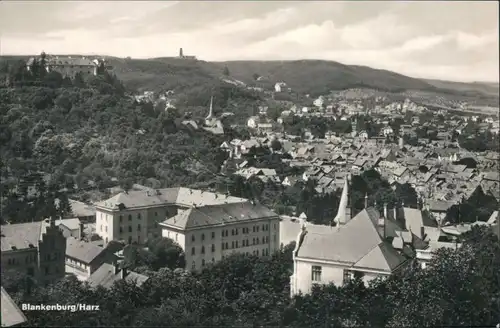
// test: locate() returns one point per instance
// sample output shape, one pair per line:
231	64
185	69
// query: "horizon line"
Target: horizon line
257	60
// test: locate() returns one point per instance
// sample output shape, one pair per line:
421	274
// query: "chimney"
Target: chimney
52	222
81	230
366	200
123	273
116	266
385	211
395	211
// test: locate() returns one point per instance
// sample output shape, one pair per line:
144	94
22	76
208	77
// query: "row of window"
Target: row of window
316	272
235	231
234	244
130	217
32	258
130	228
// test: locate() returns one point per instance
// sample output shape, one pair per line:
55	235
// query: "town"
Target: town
249	202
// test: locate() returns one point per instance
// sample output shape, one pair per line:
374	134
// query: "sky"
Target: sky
446	40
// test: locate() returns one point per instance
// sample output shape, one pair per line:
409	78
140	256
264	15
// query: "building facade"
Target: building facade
134	216
210	233
34	249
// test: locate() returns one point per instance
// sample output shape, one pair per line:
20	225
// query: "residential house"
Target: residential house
83	258
280	87
36	249
71	228
108	274
11	314
209	233
359	248
438	208
253	122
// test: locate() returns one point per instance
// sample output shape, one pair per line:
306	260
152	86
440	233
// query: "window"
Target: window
257	240
275	226
232	244
130	217
193	251
100	227
139	216
31	272
213	234
232	232
227	246
253	241
236	231
316	273
130	239
139	227
193	238
202	249
202	263
263	252
193	266
121	218
129	228
347	276
106	228
263	227
222	246
213	260
358	274
121	229
202	236
274	237
222	233
47	270
156	213
236	244
213	248
253	229
257	228
175	237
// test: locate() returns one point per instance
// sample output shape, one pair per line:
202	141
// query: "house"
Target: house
83	258
290	181
387	131
253	122
207	234
439	208
108	274
280	87
11	315
36	249
71	228
358	248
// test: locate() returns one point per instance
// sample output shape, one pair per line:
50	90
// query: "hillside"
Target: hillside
194	79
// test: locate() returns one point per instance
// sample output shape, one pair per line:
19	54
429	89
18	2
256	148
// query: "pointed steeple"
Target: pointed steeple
343	213
211	111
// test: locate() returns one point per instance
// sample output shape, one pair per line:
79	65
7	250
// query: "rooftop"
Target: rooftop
82	251
105	276
218	215
11	314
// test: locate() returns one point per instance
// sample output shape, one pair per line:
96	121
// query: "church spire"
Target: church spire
344	211
211	111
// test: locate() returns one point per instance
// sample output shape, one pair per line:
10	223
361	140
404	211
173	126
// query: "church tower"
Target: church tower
344	212
181	53
209	118
354	127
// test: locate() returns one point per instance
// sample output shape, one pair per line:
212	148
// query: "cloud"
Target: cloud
455	40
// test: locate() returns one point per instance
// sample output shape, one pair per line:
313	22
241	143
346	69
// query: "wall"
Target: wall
79	269
51	255
24	261
301	280
236	240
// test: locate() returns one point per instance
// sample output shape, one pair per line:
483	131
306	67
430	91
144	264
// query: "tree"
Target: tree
276	145
255	76
225	71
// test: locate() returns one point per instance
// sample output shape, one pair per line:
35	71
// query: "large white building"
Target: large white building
369	245
206	225
207	234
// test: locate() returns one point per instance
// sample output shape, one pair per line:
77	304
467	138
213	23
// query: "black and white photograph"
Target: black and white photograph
249	163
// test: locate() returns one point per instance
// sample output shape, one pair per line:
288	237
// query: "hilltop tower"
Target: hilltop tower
209	118
181	53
